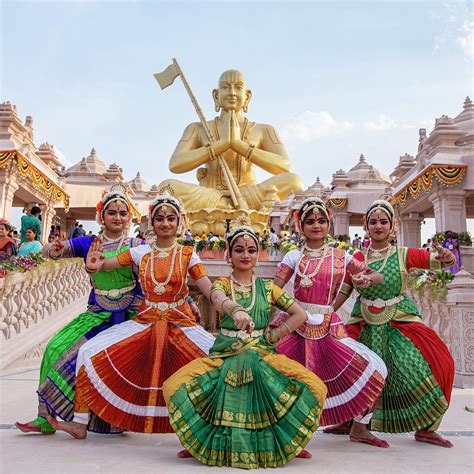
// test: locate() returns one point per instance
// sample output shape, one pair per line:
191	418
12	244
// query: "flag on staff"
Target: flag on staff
167	77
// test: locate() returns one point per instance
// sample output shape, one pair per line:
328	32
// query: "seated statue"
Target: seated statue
242	144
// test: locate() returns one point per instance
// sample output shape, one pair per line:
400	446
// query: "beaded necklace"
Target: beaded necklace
306	279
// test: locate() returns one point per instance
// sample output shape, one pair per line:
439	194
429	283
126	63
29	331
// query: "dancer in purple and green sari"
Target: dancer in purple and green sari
115	298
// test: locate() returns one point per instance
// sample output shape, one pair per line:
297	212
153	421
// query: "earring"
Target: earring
246	107
217	107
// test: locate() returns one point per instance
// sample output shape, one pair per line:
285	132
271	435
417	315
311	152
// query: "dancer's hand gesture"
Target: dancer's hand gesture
242	320
95	259
444	255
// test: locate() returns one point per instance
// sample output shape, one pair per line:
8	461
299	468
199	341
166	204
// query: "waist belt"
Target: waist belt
316	308
115	292
242	334
163	305
380	303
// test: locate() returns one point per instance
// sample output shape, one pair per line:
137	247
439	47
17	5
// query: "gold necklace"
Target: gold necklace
306	279
253	290
389	251
160	287
163	251
315	253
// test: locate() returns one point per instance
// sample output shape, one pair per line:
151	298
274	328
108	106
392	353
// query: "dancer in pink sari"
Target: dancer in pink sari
353	374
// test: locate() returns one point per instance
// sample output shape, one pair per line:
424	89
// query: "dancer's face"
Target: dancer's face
165	223
116	217
3	231
315	226
379	226
244	254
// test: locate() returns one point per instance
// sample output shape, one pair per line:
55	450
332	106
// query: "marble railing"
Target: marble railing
36	304
453	320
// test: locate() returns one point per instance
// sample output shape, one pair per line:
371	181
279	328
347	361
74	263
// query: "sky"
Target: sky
336	79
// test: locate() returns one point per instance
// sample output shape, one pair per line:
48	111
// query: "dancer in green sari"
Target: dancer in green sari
245	406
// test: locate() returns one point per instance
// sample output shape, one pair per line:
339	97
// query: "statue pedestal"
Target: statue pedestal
213	220
219	268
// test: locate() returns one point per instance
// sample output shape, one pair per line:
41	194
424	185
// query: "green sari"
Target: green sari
245	406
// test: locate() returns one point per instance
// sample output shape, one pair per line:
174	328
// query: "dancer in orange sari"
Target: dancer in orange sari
120	373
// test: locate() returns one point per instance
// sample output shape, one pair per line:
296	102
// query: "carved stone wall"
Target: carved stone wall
34	305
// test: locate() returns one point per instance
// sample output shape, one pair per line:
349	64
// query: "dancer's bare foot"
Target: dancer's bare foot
341	428
76	430
30	427
426	436
184	453
360	434
304	454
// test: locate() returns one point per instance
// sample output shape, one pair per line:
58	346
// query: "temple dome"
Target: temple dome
363	172
93	163
139	184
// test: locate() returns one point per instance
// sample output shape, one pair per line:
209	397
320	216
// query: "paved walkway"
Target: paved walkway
133	452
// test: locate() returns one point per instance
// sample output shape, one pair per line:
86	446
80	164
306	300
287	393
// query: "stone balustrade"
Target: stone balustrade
453	320
34	305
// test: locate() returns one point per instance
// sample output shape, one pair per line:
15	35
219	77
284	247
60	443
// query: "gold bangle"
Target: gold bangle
288	327
250	152
89	271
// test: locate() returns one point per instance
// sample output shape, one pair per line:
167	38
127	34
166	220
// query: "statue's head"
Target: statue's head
232	92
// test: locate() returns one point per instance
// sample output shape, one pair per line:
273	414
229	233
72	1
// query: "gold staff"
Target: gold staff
165	79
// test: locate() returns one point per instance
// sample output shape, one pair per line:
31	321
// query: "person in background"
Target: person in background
7	244
31	221
80	231
16	238
70	234
31	245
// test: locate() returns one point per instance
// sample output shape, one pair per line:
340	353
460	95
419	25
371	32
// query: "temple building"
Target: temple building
437	181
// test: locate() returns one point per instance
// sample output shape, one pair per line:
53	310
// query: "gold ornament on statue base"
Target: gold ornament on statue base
225	152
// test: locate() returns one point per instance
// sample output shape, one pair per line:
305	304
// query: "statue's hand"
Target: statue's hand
235	129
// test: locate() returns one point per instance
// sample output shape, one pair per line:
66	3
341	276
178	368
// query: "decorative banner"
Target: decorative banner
36	176
337	202
445	174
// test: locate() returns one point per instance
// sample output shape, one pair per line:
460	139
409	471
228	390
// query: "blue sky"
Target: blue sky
335	78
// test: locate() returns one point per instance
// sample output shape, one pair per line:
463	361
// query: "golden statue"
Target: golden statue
227	149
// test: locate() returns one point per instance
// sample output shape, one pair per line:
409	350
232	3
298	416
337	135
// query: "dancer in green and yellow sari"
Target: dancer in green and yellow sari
245	406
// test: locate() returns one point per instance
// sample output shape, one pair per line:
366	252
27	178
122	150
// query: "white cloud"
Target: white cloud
385	123
309	126
466	40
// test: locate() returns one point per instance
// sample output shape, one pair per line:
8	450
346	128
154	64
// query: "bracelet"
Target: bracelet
222	304
190	299
210	151
250	152
235	309
54	257
89	271
288	327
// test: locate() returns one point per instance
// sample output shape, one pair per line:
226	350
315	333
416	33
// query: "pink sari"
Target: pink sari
353	374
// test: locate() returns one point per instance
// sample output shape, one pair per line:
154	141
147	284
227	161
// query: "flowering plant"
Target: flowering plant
434	280
20	264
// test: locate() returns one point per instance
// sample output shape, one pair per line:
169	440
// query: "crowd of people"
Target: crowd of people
253	395
28	240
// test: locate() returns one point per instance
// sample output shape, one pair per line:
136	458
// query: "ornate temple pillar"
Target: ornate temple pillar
47	220
8	188
409	234
449	207
341	221
460	301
